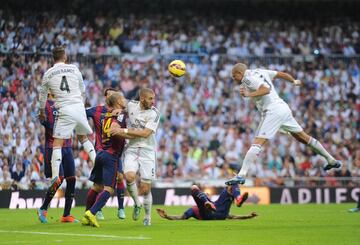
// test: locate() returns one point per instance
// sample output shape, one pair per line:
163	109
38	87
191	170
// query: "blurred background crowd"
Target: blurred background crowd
206	127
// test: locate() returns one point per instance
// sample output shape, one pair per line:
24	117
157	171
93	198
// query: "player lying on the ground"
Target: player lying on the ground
205	209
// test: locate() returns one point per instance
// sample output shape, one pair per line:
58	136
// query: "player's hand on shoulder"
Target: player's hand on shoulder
297	82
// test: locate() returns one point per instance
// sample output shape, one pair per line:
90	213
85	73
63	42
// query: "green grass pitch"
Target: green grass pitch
276	224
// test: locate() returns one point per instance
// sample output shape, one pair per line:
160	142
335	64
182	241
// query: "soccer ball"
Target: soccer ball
177	68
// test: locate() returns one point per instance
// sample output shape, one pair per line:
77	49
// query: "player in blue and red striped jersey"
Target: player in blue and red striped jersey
104	173
97	113
66	171
205	209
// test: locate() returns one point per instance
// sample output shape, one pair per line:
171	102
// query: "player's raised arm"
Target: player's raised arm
162	213
249	216
262	90
287	77
81	84
43	97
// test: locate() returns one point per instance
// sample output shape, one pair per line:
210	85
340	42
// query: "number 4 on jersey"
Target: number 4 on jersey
64	86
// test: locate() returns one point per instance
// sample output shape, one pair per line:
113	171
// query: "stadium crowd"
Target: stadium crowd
172	34
206	127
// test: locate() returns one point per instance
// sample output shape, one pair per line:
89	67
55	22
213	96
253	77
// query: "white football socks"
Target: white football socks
147	205
317	147
89	148
249	159
133	191
56	159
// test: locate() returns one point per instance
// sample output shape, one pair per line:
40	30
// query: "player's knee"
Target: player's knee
82	138
119	177
145	187
301	137
98	188
109	189
130	177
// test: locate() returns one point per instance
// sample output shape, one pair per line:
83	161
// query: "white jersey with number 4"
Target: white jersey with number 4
253	79
66	84
143	119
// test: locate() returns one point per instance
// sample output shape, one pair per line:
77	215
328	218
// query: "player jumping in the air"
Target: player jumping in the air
208	210
65	83
275	115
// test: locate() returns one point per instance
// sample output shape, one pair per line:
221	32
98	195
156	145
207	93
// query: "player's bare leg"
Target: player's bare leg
120	192
88	147
145	190
249	159
133	191
318	148
56	159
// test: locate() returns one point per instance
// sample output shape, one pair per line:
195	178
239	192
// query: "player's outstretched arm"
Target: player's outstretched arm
136	133
162	213
262	90
249	216
287	77
116	130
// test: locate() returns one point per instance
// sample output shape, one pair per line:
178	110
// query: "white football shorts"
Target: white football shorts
142	160
275	119
70	118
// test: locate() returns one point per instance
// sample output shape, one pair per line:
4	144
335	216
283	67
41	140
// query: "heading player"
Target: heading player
140	153
67	167
65	83
97	113
275	114
205	209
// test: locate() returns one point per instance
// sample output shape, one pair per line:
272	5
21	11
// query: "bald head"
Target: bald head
238	71
147	98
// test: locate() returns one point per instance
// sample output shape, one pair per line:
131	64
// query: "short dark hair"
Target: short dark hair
109	89
58	53
145	91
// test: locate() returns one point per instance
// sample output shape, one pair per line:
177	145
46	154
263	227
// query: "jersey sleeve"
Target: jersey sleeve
90	112
189	213
253	82
271	73
153	121
81	83
43	92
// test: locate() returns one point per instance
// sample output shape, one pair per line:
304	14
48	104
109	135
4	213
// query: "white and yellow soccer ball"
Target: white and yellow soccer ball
177	68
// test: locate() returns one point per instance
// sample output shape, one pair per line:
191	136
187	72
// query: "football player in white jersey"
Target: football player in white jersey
140	153
65	82
275	114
